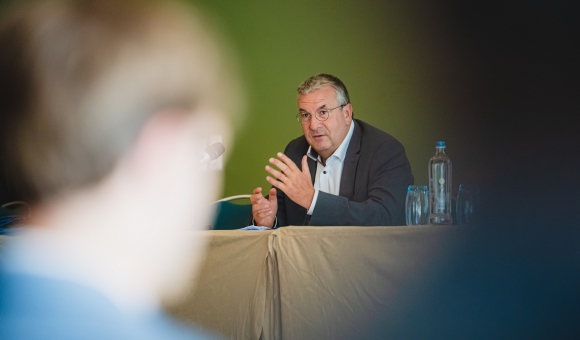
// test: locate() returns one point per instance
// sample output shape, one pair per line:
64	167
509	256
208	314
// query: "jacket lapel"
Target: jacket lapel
348	179
312	164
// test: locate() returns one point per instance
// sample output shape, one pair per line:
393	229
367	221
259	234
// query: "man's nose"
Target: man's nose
314	123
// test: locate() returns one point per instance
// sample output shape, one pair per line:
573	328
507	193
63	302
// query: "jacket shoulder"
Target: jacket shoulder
297	146
372	136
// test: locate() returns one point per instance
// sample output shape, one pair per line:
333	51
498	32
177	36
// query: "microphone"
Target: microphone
212	152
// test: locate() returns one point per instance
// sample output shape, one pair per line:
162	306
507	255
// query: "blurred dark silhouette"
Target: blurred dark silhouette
516	275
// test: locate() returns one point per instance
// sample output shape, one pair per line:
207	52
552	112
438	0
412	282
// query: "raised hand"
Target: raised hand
264	210
296	184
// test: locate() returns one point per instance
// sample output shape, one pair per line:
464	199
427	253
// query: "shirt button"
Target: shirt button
324	172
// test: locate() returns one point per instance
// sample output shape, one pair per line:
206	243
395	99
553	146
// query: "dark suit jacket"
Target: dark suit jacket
375	176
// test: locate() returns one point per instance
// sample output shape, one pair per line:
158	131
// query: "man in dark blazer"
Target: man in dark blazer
351	173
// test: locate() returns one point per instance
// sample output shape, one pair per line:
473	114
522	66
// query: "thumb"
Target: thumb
305	168
273	197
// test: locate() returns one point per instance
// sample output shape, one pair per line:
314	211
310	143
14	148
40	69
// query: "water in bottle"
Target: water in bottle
440	186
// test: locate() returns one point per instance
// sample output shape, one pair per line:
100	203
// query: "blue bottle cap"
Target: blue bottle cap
440	145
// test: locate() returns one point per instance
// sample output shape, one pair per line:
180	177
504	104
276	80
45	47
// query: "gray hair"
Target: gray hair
321	80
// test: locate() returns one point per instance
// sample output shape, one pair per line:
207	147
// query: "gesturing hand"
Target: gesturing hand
264	210
296	184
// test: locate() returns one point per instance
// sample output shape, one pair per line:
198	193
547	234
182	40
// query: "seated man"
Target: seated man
348	172
104	106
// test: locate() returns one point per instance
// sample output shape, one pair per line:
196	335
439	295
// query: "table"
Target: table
334	280
230	293
420	282
307	282
389	282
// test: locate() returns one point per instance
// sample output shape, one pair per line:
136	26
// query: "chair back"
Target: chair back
229	216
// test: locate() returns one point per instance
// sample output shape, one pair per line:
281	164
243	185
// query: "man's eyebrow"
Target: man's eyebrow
321	107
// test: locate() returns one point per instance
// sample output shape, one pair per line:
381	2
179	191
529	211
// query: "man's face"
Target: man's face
326	136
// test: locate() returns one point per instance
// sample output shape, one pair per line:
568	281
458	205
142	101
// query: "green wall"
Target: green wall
397	60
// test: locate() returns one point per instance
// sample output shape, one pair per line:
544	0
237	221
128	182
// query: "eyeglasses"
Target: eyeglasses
320	114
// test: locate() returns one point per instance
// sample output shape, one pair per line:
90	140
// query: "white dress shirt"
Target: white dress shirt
328	177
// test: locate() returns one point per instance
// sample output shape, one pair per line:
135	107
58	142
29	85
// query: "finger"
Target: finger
275	172
264	216
288	161
266	211
254	199
257	199
273	198
260	206
257	196
305	168
285	169
263	209
275	183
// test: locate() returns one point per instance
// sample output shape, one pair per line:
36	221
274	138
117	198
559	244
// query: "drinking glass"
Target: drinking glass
467	209
417	205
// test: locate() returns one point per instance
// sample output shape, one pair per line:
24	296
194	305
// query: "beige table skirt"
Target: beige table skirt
308	282
423	282
231	292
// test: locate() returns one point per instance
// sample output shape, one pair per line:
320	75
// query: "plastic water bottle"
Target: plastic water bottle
440	186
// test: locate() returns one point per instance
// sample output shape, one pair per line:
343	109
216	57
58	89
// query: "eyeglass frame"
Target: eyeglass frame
316	114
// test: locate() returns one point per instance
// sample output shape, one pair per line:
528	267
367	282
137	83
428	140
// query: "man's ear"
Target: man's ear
156	140
174	133
348	113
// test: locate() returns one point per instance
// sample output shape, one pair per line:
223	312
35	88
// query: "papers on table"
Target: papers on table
253	227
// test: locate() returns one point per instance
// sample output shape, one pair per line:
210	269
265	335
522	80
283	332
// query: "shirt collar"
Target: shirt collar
340	152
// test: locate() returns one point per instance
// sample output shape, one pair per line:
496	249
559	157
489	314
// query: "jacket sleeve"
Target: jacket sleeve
281	217
389	176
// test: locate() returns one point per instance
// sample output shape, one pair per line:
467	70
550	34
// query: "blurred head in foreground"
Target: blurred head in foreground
104	105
